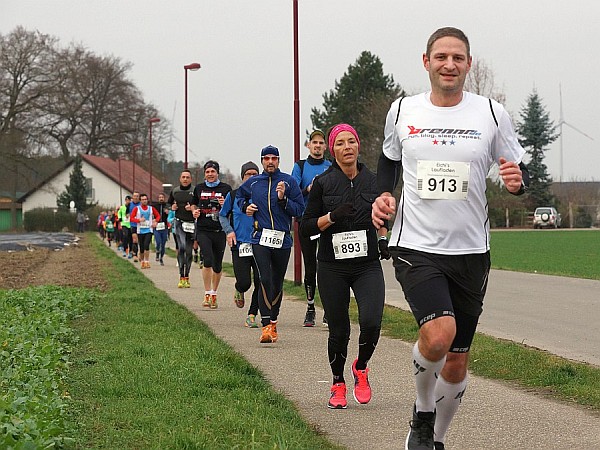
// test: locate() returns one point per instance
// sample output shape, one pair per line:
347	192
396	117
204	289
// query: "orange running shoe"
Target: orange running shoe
206	302
213	301
269	334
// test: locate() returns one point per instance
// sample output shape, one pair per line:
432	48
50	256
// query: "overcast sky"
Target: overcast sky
242	97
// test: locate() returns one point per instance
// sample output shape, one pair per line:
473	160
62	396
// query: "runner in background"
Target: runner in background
161	232
123	214
144	217
238	229
180	201
208	199
304	171
135	201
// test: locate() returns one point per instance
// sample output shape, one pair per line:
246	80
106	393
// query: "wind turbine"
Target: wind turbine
561	122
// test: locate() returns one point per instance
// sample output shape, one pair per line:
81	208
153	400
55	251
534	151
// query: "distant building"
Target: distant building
6	211
108	182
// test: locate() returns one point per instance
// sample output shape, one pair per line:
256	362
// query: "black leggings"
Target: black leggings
309	256
245	271
185	243
212	246
144	240
126	239
272	265
366	281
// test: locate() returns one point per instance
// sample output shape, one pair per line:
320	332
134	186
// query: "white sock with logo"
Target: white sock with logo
425	373
448	397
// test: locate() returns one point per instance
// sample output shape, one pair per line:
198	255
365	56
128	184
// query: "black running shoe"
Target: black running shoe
439	446
420	436
309	319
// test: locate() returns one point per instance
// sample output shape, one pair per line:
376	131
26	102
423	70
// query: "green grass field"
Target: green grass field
552	252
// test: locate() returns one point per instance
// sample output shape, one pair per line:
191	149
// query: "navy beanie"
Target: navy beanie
269	150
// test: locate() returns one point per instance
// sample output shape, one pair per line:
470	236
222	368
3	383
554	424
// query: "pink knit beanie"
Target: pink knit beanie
337	129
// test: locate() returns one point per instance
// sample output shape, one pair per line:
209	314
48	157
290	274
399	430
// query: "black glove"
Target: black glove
344	210
384	251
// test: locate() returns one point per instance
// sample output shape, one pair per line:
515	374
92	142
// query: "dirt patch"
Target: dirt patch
75	266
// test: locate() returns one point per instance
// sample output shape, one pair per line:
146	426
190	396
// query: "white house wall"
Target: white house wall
105	191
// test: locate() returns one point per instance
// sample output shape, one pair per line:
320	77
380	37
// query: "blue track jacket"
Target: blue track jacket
242	224
272	213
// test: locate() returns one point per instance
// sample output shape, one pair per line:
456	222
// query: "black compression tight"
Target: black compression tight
366	281
272	265
185	243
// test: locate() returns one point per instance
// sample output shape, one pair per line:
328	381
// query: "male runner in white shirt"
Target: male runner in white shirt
445	142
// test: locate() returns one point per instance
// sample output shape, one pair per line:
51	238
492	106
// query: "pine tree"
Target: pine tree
75	190
537	132
361	98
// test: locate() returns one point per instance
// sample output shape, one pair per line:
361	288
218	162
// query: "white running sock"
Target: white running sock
426	373
448	397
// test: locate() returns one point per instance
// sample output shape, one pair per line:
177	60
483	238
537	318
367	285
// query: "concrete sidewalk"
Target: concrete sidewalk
493	415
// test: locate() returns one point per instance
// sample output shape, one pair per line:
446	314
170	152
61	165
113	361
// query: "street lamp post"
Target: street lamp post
120	185
297	248
150	122
193	67
135	146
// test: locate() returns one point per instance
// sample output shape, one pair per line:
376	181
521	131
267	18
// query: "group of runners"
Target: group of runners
442	144
134	224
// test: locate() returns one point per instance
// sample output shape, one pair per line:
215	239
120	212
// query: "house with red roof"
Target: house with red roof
108	182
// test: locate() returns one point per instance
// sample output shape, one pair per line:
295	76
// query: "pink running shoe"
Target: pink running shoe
337	397
362	389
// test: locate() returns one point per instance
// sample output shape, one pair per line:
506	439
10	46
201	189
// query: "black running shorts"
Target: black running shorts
444	285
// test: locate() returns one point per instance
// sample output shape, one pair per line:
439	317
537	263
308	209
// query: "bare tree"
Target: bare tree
64	104
69	101
113	106
95	108
25	77
480	80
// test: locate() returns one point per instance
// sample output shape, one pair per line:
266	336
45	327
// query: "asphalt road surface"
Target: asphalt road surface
16	242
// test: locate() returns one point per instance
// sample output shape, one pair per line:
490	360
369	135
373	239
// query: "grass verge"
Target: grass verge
148	374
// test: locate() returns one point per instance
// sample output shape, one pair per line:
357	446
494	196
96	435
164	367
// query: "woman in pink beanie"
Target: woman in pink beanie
339	208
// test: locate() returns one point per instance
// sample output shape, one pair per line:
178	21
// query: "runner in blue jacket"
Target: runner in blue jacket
272	198
238	229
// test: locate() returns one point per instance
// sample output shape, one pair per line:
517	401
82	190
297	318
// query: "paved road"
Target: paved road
493	414
14	242
557	314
